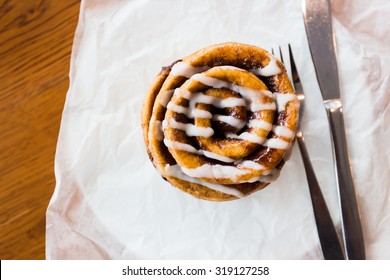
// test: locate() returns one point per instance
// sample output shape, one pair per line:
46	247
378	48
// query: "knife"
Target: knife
318	23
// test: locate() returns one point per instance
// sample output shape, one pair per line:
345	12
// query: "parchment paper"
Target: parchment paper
109	201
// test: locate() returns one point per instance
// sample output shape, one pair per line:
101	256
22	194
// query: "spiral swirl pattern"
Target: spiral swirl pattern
219	123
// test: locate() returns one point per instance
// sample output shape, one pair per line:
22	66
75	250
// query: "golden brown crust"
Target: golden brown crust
154	112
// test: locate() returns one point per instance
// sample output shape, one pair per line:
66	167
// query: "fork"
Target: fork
329	240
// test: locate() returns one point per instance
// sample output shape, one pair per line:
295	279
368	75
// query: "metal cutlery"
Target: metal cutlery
318	23
329	240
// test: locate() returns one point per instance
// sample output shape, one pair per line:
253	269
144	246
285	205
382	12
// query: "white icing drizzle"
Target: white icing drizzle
252	96
183	69
283	131
229	102
270	70
283	98
258	106
260	124
189	112
199	97
218	171
216	101
251	137
175	171
198	113
164	124
190	149
215	171
232	121
180	146
165	96
217	156
276	143
189	128
251	164
229	67
179	109
192	112
185	93
268	177
210	81
272	176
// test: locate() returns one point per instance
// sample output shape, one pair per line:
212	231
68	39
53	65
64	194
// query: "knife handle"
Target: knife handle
351	224
329	240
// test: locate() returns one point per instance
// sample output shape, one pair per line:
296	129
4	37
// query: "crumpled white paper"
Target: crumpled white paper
109	201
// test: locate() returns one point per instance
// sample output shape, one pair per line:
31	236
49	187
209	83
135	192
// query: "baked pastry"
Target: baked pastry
219	123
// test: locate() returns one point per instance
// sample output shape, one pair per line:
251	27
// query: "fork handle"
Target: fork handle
329	240
351	224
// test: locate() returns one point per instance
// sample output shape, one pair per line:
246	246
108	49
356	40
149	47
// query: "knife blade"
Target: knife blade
319	30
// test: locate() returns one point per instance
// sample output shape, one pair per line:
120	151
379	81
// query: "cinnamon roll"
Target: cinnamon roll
219	124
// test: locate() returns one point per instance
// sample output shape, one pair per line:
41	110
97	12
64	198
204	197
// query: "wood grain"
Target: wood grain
35	47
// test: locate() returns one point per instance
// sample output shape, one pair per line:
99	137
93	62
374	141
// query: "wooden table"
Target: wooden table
35	45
